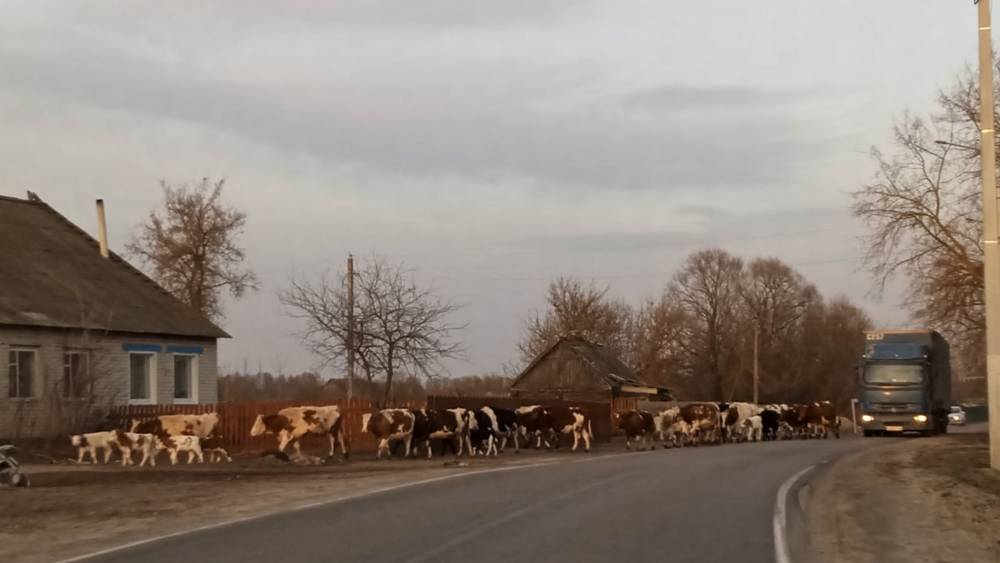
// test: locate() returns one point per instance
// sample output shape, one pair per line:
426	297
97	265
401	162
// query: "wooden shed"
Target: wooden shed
574	368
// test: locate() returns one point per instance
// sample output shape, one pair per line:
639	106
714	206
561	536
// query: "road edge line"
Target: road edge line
780	521
346	498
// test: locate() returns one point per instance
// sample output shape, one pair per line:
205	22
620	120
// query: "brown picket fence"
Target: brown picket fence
236	419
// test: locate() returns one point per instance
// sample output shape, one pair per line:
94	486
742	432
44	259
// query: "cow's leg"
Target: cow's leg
107	453
126	455
517	447
343	447
409	442
576	439
333	444
173	456
284	438
468	443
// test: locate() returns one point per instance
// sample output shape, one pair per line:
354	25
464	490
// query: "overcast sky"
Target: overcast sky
491	145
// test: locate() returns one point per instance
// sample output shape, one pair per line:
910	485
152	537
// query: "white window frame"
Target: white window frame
151	376
34	374
192	383
67	365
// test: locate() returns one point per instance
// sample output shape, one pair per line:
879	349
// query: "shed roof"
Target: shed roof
53	275
605	365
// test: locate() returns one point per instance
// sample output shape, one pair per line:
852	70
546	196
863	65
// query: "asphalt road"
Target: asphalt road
697	504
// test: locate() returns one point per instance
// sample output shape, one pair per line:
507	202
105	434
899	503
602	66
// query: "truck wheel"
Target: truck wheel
868	433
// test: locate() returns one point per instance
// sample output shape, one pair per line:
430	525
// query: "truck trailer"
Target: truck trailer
904	382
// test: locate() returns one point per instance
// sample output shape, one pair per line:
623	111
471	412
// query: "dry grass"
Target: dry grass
925	500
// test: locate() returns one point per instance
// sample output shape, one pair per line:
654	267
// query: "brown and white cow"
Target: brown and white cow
129	442
670	428
702	420
177	444
389	425
637	425
91	442
201	425
292	423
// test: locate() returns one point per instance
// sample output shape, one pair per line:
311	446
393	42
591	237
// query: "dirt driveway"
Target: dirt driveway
932	500
70	510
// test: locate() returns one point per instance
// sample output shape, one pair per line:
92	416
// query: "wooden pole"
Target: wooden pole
756	371
350	327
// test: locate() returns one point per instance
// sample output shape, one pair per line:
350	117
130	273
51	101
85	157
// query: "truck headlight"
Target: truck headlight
920	418
867	418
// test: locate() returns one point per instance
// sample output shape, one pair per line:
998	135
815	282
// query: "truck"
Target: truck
904	382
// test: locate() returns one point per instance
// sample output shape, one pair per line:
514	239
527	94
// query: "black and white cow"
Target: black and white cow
506	426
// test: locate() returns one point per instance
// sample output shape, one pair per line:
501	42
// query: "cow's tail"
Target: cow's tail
590	428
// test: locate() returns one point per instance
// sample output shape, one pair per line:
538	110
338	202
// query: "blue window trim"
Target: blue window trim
129	347
185	350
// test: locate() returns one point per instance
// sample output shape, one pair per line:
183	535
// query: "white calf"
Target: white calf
753	428
90	443
177	444
128	442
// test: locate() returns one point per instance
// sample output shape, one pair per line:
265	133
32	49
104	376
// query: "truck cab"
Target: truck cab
904	382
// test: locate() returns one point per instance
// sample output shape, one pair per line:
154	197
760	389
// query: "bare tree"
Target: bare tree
708	288
400	326
580	309
923	213
662	334
192	246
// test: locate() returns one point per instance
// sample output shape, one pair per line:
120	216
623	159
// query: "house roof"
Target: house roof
605	365
53	275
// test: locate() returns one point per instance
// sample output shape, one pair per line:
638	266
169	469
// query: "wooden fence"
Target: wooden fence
236	419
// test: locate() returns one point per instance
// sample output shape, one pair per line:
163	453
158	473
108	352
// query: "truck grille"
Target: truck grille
895	407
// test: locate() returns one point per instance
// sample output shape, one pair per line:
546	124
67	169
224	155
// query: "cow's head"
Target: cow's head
258	427
76	440
365	419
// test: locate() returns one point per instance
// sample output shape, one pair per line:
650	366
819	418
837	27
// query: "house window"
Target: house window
76	375
185	378
141	382
21	367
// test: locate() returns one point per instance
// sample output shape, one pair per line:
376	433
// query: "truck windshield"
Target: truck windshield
894	373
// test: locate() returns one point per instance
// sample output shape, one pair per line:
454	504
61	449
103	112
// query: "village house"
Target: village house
573	368
82	330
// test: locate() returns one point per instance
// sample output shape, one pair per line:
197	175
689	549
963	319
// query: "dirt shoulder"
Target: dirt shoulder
72	510
917	500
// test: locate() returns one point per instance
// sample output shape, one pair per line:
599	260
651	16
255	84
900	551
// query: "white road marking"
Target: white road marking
781	518
337	500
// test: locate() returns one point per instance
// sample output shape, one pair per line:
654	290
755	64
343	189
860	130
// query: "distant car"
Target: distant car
956	416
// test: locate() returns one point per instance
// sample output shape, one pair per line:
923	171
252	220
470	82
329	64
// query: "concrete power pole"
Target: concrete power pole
350	327
991	258
756	372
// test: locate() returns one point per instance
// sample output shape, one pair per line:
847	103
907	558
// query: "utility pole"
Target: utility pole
350	327
991	253
756	372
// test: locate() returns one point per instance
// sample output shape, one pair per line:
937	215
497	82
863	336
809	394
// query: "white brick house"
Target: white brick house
80	332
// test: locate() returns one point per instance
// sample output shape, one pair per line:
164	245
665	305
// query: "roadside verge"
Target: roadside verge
917	500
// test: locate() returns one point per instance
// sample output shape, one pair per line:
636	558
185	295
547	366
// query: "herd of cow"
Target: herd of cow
487	430
716	423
